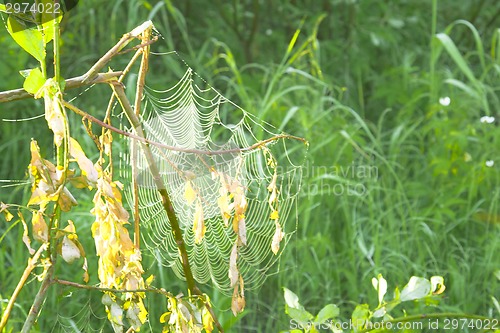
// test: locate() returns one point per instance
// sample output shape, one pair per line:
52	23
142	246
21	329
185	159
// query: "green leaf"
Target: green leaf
25	72
392	304
454	53
19	15
293	41
48	22
329	311
302	316
360	317
295	310
30	39
462	86
477	38
496	303
34	81
380	312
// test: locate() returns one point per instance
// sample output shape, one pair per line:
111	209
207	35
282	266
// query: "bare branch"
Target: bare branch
38	302
127	38
75	82
32	262
257	145
111	290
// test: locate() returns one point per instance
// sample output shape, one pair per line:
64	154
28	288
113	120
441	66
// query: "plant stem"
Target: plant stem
62	152
75	82
111	290
27	271
257	145
137	109
166	202
148	289
39	299
57	62
92	72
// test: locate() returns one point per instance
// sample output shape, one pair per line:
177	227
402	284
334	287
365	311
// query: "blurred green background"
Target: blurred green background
396	86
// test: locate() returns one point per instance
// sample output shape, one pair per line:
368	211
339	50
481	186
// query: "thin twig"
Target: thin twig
145	290
75	82
140	46
53	100
39	300
111	290
257	145
137	109
166	202
214	317
127	38
27	271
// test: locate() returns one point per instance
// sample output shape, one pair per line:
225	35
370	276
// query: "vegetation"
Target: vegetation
398	101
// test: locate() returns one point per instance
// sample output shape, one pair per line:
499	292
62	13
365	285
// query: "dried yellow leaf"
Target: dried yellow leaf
189	193
45	177
69	250
273	189
233	268
119	261
40	229
238	299
136	314
55	118
278	236
165	317
239	228
70	228
86	165
5	211
207	320
198	224
272	184
26	239
242	231
224	205
150	280
85	270
66	200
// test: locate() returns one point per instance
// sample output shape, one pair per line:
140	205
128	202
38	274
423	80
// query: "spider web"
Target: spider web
195	119
89	318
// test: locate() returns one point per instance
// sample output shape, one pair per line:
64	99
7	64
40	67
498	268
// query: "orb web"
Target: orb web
213	137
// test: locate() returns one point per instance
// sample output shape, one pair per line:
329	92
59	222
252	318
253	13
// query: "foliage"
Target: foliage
120	267
418	289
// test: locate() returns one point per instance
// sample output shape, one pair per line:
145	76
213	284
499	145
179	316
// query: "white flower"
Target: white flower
487	120
445	101
490	163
